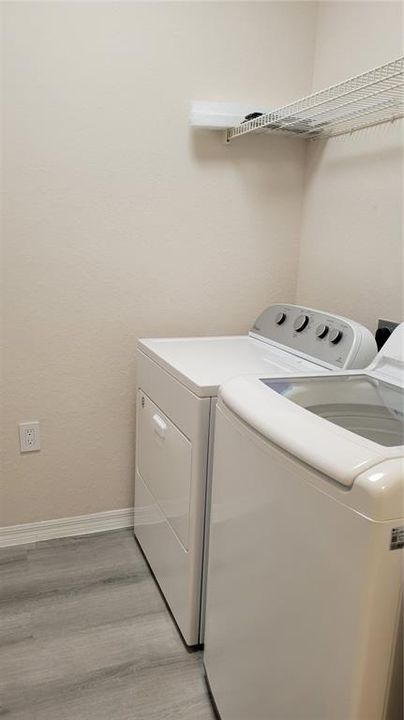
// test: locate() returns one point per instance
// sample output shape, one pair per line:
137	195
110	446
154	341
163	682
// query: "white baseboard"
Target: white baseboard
66	527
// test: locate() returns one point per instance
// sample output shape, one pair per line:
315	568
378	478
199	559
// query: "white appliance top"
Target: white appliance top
284	338
341	424
203	364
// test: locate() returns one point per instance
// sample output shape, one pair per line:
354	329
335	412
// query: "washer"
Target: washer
305	576
177	382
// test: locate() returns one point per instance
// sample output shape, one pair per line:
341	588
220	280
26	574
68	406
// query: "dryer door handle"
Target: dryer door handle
160	426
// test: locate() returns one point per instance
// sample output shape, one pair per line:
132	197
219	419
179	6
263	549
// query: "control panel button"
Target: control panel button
322	330
301	322
335	336
280	318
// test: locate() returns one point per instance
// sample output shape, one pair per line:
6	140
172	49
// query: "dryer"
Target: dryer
305	575
177	384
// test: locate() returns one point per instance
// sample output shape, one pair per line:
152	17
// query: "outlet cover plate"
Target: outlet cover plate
30	440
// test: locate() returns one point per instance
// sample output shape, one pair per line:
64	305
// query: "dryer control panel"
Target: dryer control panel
328	339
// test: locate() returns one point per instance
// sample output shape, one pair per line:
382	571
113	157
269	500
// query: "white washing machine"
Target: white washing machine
177	381
305	575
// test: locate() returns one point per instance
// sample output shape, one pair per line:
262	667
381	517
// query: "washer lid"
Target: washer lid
363	404
339	424
389	362
331	448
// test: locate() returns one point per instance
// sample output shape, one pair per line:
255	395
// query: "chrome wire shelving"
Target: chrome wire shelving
372	98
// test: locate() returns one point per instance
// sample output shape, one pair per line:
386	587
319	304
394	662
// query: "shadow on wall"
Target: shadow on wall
365	148
263	163
263	158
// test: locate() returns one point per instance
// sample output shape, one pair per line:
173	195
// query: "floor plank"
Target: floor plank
85	634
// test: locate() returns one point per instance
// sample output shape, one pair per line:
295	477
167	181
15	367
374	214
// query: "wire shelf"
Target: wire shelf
368	99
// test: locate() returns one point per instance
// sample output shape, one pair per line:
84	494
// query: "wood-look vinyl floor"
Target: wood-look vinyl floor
85	635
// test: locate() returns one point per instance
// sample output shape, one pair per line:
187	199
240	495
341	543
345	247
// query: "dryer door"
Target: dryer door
164	462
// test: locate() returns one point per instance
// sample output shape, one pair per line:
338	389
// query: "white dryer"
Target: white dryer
305	576
177	383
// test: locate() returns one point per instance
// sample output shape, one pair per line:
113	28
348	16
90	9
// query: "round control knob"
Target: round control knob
322	330
280	318
335	336
301	322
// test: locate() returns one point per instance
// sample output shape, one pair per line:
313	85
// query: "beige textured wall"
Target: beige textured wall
351	253
119	222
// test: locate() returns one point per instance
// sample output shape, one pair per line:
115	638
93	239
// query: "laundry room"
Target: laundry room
202	360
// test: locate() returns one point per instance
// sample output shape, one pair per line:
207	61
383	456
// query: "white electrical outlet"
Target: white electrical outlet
29	436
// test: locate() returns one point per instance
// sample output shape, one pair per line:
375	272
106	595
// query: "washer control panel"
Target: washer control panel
329	339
